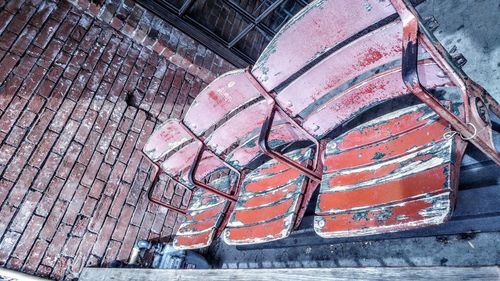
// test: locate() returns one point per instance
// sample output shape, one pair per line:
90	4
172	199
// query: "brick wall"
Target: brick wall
78	99
147	29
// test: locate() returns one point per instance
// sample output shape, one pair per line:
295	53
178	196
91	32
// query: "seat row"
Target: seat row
256	143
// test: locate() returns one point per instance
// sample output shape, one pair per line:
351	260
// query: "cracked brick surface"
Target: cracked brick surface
78	100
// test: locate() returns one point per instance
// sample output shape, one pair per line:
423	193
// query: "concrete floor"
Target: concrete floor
473	26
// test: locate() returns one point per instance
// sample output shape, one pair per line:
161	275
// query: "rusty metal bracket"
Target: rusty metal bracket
476	99
265	131
196	182
155	180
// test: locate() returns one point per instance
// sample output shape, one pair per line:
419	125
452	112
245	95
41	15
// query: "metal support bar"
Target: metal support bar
194	181
479	133
155	180
194	167
266	130
185	6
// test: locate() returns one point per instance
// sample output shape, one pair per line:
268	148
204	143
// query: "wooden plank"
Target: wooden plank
337	274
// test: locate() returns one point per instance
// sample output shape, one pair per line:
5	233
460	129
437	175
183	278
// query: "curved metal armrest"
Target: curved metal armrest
192	177
477	127
264	144
155	180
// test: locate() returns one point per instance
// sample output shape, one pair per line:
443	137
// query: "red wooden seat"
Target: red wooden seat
360	56
269	202
205	214
395	173
236	127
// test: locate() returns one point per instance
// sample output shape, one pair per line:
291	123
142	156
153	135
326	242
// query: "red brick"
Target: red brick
75	205
104	237
25	211
60	268
159	220
5	18
8	90
147	222
53	220
82	105
28	238
7	245
43	149
21	19
16	136
46	173
104	172
35	256
88	207
8	63
17	163
31	82
71	246
23	41
119	200
26	119
69	160
90	37
67	26
58	94
6	214
140	209
97	75
103	117
92	169
65	137
118	140
54	250
44	90
51	51
43	12
128	242
111	252
122	223
46	33
128	147
111	155
132	166
72	183
100	214
97	189
113	69
76	90
43	271
6	40
110	49
62	116
89	148
86	126
5	187
80	226
74	65
83	252
108	133
117	89
12	113
41	125
49	197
